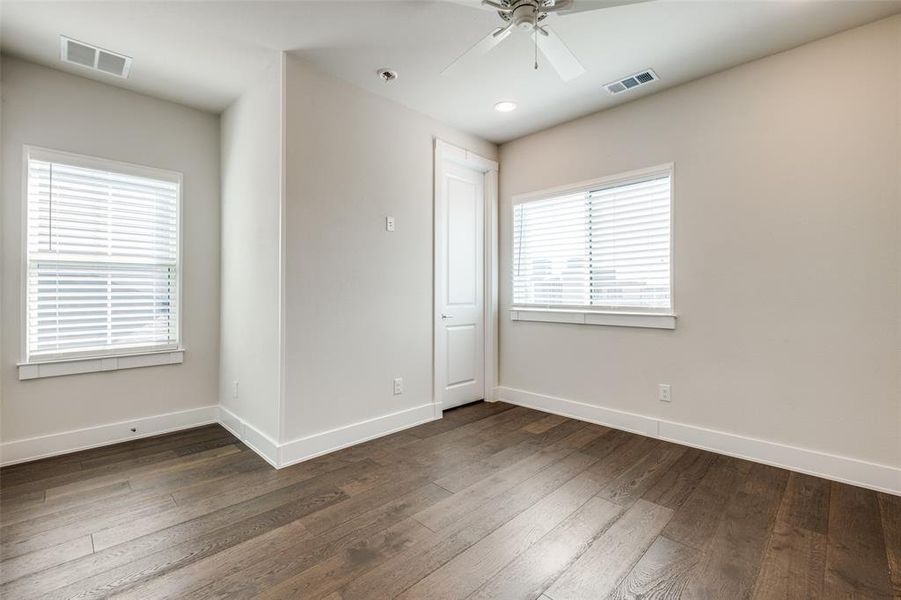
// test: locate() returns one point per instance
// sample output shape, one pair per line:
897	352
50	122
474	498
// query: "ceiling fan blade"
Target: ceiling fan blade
481	47
561	58
568	7
484	5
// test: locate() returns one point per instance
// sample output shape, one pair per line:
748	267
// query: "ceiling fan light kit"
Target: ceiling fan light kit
530	17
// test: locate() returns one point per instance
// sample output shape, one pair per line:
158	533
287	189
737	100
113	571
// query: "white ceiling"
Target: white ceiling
205	53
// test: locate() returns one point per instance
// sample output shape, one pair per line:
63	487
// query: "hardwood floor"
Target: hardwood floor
493	501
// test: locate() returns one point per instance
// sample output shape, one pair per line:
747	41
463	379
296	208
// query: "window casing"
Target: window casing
102	273
602	246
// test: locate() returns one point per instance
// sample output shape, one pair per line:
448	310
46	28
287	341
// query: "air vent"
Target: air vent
92	57
631	82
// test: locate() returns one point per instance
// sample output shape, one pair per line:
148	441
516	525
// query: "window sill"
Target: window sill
587	317
75	366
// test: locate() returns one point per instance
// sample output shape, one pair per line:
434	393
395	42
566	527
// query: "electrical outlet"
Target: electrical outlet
663	393
235	390
389	223
398	386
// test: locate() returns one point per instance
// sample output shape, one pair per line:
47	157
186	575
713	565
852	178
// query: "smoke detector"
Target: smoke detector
387	75
631	82
93	57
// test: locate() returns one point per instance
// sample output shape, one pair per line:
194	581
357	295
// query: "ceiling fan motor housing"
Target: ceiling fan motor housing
525	15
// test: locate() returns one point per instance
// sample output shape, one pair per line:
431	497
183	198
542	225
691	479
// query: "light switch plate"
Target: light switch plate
389	223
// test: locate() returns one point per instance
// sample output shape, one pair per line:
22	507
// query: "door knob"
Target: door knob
444	316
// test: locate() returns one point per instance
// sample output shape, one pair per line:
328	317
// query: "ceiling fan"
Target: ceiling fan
529	16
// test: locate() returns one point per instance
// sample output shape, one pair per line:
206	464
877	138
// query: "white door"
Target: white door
459	285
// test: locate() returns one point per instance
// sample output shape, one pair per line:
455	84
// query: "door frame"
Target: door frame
448	152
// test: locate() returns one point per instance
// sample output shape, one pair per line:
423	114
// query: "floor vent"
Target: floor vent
92	57
632	81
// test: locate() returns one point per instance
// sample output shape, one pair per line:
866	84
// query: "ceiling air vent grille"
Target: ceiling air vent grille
92	57
632	81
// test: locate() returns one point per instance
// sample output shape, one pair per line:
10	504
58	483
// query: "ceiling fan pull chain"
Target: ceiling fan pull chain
536	47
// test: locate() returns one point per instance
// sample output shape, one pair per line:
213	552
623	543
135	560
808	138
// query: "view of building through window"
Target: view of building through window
605	247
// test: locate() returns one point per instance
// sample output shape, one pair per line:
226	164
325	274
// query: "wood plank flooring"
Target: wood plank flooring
493	501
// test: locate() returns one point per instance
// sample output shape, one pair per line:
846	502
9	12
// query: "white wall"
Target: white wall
44	107
251	205
787	251
358	299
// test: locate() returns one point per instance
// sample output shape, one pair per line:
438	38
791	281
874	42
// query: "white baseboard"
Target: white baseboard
277	455
311	446
870	475
18	451
882	478
255	439
318	444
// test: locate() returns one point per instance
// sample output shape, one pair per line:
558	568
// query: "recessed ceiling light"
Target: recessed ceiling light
505	106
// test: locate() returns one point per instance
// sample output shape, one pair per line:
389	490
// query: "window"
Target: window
601	247
102	258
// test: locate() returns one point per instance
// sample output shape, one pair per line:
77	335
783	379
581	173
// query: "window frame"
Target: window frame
664	318
89	361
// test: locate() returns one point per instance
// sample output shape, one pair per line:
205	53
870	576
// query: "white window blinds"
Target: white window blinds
102	257
606	247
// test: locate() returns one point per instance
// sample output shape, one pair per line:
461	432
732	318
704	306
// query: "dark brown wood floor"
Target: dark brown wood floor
493	501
